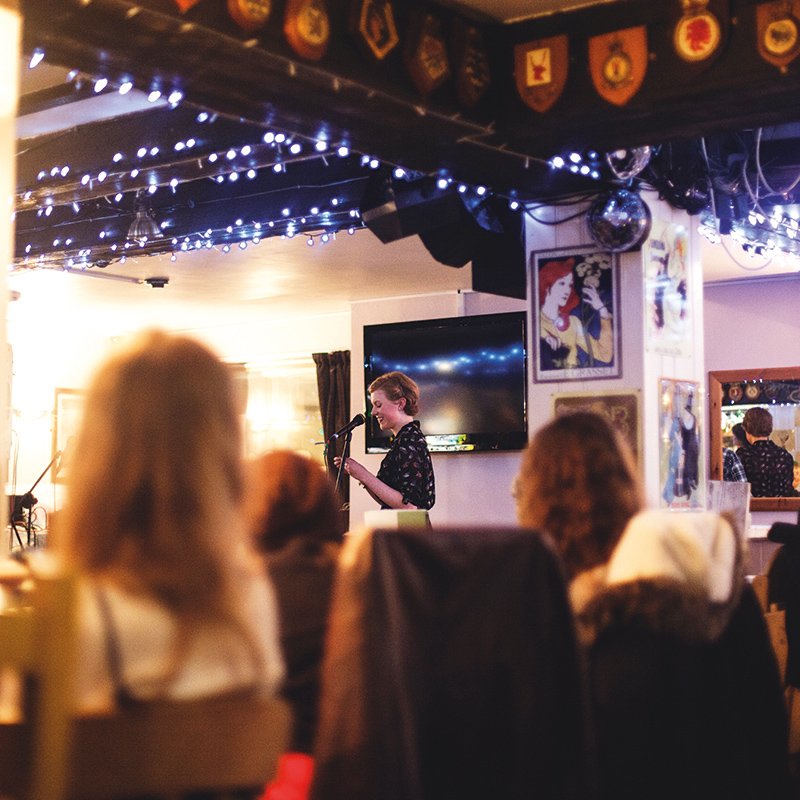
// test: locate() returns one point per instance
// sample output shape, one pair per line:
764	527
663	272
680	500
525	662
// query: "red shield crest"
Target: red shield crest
185	5
778	26
618	63
697	35
540	71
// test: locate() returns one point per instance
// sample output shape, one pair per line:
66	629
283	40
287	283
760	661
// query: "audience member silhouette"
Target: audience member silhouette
172	599
296	522
685	689
769	468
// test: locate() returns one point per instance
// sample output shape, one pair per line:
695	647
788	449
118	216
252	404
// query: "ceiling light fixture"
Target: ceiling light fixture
144	227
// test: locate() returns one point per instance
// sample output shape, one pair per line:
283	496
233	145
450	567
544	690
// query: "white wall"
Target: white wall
754	325
471	488
10	34
641	371
57	342
475	488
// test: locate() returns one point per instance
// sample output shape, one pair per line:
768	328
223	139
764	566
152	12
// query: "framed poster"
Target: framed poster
668	300
679	445
67	413
621	409
576	314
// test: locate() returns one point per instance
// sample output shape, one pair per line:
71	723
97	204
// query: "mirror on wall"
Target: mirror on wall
731	393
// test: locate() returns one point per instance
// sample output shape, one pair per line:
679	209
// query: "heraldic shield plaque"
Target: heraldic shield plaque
540	71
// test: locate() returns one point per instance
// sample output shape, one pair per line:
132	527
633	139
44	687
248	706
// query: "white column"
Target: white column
641	370
10	37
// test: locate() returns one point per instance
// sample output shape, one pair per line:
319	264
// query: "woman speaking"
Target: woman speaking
405	478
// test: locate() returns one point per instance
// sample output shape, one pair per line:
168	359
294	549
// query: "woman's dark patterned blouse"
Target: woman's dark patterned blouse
407	467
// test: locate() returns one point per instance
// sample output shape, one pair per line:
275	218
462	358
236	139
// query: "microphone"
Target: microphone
358	419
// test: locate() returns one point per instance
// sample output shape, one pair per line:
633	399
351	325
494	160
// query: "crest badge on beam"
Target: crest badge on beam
470	64
250	15
373	24
185	5
698	34
778	31
307	27
426	58
618	63
540	71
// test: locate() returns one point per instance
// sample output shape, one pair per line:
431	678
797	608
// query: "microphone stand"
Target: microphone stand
27	500
345	452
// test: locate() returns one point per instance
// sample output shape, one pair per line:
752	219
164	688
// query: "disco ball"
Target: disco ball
618	220
628	163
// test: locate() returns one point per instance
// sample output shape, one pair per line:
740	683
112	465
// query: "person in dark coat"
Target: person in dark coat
685	689
452	671
294	516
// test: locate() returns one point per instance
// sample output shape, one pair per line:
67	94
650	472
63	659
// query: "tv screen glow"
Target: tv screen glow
471	373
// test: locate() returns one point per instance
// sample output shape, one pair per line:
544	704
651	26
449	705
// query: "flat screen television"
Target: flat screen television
472	377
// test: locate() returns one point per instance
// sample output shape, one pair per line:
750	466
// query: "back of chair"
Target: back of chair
170	749
452	670
36	642
154	749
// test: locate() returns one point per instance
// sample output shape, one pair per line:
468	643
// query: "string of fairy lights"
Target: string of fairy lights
63	194
60	189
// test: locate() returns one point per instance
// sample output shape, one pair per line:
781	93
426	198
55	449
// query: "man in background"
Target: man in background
769	468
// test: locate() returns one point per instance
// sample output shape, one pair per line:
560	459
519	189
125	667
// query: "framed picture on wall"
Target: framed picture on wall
667	290
67	413
576	314
621	409
681	475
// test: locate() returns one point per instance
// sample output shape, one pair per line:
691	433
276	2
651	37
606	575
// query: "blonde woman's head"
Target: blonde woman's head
156	475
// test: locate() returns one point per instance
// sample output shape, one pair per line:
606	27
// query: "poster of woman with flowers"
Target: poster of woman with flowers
576	318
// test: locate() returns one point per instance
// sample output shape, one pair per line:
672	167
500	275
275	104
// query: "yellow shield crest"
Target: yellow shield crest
778	31
618	63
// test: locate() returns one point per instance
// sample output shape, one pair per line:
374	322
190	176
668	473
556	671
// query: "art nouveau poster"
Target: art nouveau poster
667	291
680	445
576	314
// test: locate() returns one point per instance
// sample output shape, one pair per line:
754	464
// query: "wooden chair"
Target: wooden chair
171	749
36	643
164	749
775	618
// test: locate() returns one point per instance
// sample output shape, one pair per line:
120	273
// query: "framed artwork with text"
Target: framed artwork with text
621	409
576	314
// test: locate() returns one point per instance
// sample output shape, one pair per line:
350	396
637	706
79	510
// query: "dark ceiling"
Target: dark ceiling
249	138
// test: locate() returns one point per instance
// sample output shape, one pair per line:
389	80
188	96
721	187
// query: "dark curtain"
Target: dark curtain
333	385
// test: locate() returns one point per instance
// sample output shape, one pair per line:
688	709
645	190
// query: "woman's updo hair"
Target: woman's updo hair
397	385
